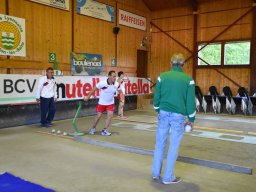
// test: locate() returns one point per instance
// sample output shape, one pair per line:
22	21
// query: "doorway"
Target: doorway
142	63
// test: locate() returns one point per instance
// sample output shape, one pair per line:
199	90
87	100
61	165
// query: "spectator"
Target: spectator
174	99
47	96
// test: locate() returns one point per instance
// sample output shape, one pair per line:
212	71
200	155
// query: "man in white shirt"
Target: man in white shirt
47	95
107	89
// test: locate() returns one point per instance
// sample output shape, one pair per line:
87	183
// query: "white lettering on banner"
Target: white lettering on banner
18	89
132	20
87	63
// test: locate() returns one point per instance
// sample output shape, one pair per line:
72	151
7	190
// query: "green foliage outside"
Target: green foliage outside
211	54
236	53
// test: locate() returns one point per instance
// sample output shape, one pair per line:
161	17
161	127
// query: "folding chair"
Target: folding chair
230	104
215	101
246	104
199	97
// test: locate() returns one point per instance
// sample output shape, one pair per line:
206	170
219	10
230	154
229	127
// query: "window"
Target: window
237	53
211	54
225	53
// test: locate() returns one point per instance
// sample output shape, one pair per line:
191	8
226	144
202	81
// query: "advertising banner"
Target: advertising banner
12	36
86	64
21	89
61	4
132	20
95	9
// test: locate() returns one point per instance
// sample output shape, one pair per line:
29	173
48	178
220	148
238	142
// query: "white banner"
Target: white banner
95	9
61	4
21	89
132	20
12	36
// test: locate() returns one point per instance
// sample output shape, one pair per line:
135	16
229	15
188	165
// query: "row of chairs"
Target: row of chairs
217	101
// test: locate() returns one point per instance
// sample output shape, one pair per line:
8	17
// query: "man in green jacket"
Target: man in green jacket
174	100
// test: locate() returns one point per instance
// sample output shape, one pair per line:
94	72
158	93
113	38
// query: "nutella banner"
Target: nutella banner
132	20
21	89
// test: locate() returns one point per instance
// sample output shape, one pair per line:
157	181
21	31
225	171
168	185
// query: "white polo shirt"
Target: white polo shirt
47	88
107	92
122	87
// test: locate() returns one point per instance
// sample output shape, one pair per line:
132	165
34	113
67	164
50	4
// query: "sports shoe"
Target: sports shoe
105	132
92	131
49	124
44	125
122	116
176	180
156	179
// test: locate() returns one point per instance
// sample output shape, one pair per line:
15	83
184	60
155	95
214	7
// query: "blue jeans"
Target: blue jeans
47	106
173	124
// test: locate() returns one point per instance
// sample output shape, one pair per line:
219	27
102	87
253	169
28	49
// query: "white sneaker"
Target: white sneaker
92	131
105	132
176	180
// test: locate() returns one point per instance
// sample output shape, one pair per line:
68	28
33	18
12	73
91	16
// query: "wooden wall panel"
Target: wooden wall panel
213	6
27	71
3	71
22	64
163	47
50	30
237	32
211	24
209	77
33	71
94	36
213	18
47	30
129	40
2	7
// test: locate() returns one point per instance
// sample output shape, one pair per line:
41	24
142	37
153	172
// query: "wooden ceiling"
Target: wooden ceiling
156	5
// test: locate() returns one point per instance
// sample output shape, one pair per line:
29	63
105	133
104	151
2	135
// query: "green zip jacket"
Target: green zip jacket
175	92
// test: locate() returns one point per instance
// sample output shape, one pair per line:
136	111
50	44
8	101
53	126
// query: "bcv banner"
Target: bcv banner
21	89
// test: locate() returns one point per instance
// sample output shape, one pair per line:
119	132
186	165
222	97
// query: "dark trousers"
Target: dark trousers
48	109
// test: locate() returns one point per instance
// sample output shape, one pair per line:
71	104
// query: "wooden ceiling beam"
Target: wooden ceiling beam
194	4
147	5
156	5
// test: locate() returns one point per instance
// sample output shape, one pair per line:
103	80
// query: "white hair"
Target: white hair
177	59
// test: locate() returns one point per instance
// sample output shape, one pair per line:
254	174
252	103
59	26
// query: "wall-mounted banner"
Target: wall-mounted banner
61	4
12	36
132	20
95	9
21	89
86	64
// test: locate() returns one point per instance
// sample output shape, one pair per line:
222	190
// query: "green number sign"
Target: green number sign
52	57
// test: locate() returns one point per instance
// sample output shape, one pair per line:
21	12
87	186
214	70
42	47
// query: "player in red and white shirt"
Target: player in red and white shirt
107	88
